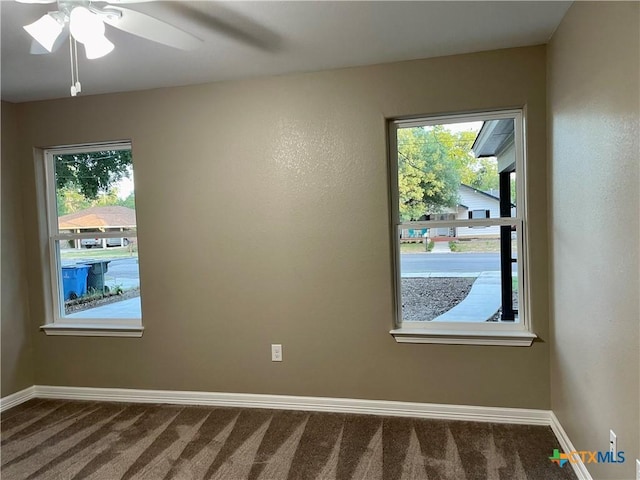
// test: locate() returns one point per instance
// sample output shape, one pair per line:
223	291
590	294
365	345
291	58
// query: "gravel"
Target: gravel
423	299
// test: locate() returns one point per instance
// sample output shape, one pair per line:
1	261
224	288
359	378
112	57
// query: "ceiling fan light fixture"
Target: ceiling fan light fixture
45	31
88	29
84	21
97	48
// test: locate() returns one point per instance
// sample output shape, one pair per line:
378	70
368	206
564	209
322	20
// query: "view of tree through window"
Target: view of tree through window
95	234
457	220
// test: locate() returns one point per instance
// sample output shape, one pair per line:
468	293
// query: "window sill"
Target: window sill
96	330
450	337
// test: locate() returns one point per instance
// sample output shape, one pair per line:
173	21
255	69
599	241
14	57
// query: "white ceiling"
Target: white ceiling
249	39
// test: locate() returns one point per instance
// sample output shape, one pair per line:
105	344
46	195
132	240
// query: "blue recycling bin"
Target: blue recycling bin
74	281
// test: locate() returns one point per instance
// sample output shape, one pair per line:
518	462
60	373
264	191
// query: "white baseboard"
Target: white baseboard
17	398
565	442
286	402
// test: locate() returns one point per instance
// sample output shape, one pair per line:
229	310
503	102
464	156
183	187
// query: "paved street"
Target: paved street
450	262
124	267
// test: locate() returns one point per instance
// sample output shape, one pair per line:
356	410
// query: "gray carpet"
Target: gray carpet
52	439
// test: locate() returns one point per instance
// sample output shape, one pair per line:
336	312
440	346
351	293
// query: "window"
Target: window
459	229
92	240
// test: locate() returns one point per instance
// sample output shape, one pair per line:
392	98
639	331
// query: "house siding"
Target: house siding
477	201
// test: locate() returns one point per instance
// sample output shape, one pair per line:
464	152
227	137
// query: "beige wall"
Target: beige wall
17	353
263	218
594	157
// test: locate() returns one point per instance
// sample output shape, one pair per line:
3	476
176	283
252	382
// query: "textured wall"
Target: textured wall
17	353
263	218
594	96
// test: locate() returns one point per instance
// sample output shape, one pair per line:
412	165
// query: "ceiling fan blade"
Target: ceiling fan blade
37	49
36	1
145	26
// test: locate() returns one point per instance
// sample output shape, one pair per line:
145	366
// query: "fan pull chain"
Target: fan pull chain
76	88
75	54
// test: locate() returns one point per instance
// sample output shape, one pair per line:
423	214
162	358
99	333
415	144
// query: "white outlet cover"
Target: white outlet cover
276	353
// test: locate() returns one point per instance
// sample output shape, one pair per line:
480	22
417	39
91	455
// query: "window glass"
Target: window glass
455	169
93	234
458	230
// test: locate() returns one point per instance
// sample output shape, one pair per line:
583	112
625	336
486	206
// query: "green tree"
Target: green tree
479	173
432	163
129	202
428	173
93	173
484	174
70	200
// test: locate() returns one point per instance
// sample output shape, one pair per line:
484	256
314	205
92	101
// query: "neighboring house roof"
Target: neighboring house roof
99	217
492	197
480	191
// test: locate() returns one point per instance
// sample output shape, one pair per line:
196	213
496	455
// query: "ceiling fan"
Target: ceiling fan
83	21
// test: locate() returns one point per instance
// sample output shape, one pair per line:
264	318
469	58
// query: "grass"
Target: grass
478	246
413	247
98	253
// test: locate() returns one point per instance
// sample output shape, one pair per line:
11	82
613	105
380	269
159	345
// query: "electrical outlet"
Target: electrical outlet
613	443
276	353
637	469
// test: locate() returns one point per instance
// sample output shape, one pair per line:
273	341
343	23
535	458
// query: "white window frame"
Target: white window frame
517	333
57	324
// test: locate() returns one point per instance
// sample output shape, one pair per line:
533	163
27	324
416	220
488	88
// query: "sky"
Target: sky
464	126
125	187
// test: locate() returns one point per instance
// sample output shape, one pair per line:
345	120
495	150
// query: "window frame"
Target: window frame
474	333
57	323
